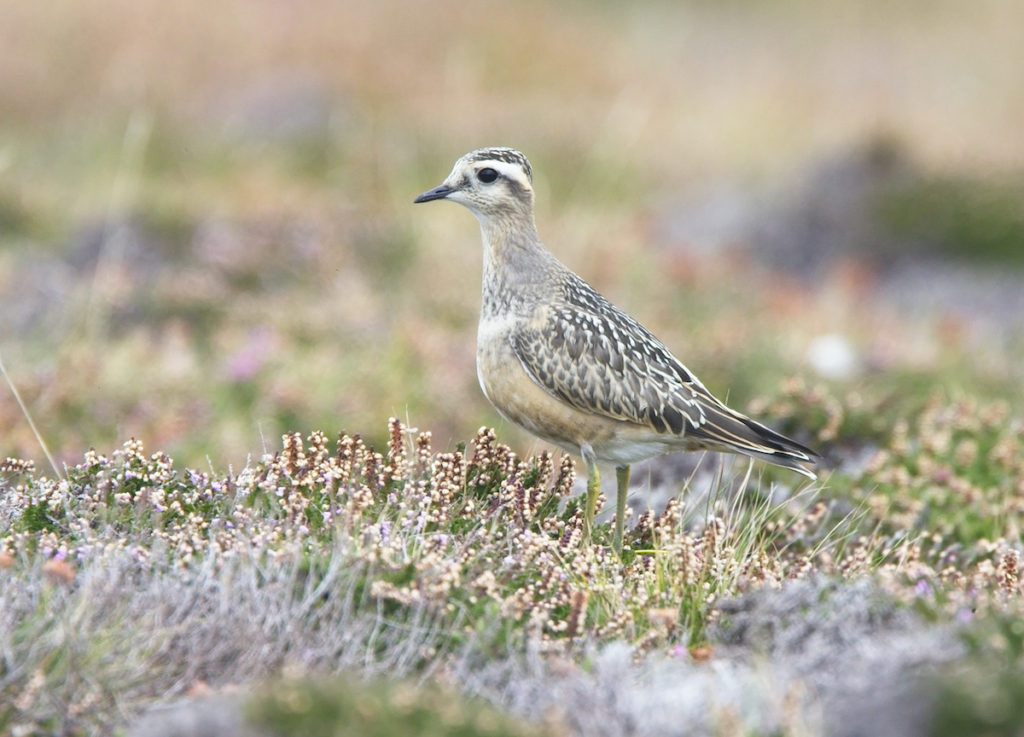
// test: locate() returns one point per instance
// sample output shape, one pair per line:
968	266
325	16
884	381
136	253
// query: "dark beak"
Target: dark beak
437	193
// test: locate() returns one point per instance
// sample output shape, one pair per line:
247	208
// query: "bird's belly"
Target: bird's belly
519	399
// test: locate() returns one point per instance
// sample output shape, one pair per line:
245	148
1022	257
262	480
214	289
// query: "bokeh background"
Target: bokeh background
207	235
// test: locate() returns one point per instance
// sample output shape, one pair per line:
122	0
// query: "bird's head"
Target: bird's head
491	182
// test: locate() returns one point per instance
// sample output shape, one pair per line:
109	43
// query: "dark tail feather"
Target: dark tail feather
726	430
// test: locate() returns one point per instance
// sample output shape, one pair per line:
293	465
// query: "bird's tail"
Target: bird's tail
729	431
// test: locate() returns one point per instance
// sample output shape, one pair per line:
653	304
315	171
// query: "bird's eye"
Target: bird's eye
487	175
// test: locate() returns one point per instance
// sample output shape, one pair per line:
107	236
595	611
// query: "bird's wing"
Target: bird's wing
593	356
600	360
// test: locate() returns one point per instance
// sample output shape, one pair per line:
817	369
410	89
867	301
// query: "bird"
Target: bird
561	361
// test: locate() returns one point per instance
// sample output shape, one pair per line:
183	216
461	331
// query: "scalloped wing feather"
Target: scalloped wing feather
593	356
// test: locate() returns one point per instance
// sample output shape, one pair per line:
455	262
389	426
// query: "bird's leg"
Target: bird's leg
593	489
622	477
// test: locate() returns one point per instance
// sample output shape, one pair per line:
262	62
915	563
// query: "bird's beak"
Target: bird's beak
437	193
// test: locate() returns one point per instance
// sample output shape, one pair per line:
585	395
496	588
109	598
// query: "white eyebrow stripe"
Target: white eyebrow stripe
511	171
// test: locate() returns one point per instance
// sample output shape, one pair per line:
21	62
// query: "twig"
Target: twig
28	417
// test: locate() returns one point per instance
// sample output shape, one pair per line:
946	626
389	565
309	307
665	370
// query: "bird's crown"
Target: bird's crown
499	154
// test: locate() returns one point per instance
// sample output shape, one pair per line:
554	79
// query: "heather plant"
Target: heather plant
475	534
476	548
339	555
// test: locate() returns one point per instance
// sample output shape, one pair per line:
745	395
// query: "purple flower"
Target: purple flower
247	361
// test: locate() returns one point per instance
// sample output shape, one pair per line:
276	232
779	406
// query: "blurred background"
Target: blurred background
207	235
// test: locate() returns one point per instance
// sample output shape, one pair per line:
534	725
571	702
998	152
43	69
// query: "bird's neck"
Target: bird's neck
515	264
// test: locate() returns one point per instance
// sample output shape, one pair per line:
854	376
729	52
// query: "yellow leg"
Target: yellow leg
593	489
622	477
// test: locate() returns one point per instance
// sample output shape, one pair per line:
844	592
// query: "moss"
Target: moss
977	220
346	707
38	518
15	219
984	693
